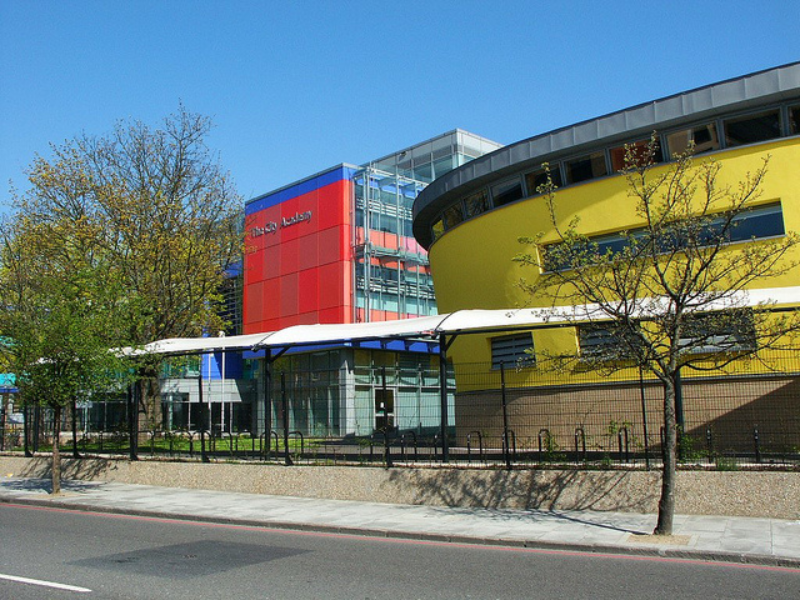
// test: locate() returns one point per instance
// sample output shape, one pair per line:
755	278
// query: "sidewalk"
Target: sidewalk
733	539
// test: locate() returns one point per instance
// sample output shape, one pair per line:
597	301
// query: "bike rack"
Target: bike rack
580	443
480	445
403	445
623	434
544	434
710	445
302	441
511	448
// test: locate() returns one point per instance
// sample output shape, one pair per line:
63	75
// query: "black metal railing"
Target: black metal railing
530	418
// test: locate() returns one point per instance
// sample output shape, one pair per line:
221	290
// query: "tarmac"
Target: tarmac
761	541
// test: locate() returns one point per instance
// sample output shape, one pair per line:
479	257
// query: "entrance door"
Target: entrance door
384	410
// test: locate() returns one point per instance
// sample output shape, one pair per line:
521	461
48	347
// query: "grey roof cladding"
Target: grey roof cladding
755	89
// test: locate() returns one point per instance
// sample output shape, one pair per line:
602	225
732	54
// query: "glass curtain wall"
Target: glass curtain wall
391	271
392	274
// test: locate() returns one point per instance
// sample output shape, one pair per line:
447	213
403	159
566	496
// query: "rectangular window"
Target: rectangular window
384	410
442	166
638	150
761	222
512	350
383	222
586	167
452	216
606	342
506	192
750	129
794	120
476	203
719	332
704	137
437	229
423	172
758	223
535	179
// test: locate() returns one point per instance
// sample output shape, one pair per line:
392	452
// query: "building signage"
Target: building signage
272	226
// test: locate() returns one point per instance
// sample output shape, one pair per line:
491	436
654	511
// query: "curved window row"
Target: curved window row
717	134
721	332
759	223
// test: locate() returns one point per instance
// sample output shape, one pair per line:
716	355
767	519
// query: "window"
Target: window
452	216
512	350
752	128
586	167
423	172
442	166
704	137
719	332
761	222
538	178
758	223
476	203
383	222
506	192
437	229
606	342
638	150
384	410
794	120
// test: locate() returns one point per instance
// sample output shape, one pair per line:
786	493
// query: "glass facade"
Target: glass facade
391	271
428	160
358	392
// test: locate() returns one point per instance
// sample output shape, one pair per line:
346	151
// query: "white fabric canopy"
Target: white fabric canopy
431	328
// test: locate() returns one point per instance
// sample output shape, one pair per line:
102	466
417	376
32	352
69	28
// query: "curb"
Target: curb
608	550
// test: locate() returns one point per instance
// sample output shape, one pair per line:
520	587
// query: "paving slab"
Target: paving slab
736	539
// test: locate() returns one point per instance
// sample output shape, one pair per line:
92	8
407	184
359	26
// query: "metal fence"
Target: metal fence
494	417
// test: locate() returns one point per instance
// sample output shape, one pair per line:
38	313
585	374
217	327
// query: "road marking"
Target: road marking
50	584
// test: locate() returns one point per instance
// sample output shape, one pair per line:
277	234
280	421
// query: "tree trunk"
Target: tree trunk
666	504
56	468
149	400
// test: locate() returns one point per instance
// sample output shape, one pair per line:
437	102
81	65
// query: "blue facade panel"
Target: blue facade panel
211	366
303	187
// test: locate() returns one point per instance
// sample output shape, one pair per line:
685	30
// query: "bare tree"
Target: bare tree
672	292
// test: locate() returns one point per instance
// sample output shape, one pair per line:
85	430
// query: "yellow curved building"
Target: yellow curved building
471	219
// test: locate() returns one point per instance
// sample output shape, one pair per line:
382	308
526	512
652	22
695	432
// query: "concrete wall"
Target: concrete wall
740	493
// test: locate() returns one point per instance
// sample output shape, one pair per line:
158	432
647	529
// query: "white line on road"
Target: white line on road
50	584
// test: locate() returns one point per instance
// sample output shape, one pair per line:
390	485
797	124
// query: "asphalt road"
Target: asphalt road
106	556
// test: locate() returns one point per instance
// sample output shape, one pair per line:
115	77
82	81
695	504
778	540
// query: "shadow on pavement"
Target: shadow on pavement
46	485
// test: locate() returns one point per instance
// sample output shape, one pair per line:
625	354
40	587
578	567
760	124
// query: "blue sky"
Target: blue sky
296	87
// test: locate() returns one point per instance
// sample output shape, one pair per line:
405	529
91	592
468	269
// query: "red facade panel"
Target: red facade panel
309	285
296	267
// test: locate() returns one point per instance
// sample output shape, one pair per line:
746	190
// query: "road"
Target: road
104	556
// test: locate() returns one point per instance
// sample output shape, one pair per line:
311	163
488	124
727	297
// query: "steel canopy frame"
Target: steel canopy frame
437	333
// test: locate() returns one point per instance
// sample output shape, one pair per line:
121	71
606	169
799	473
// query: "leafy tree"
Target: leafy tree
672	290
58	325
155	206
